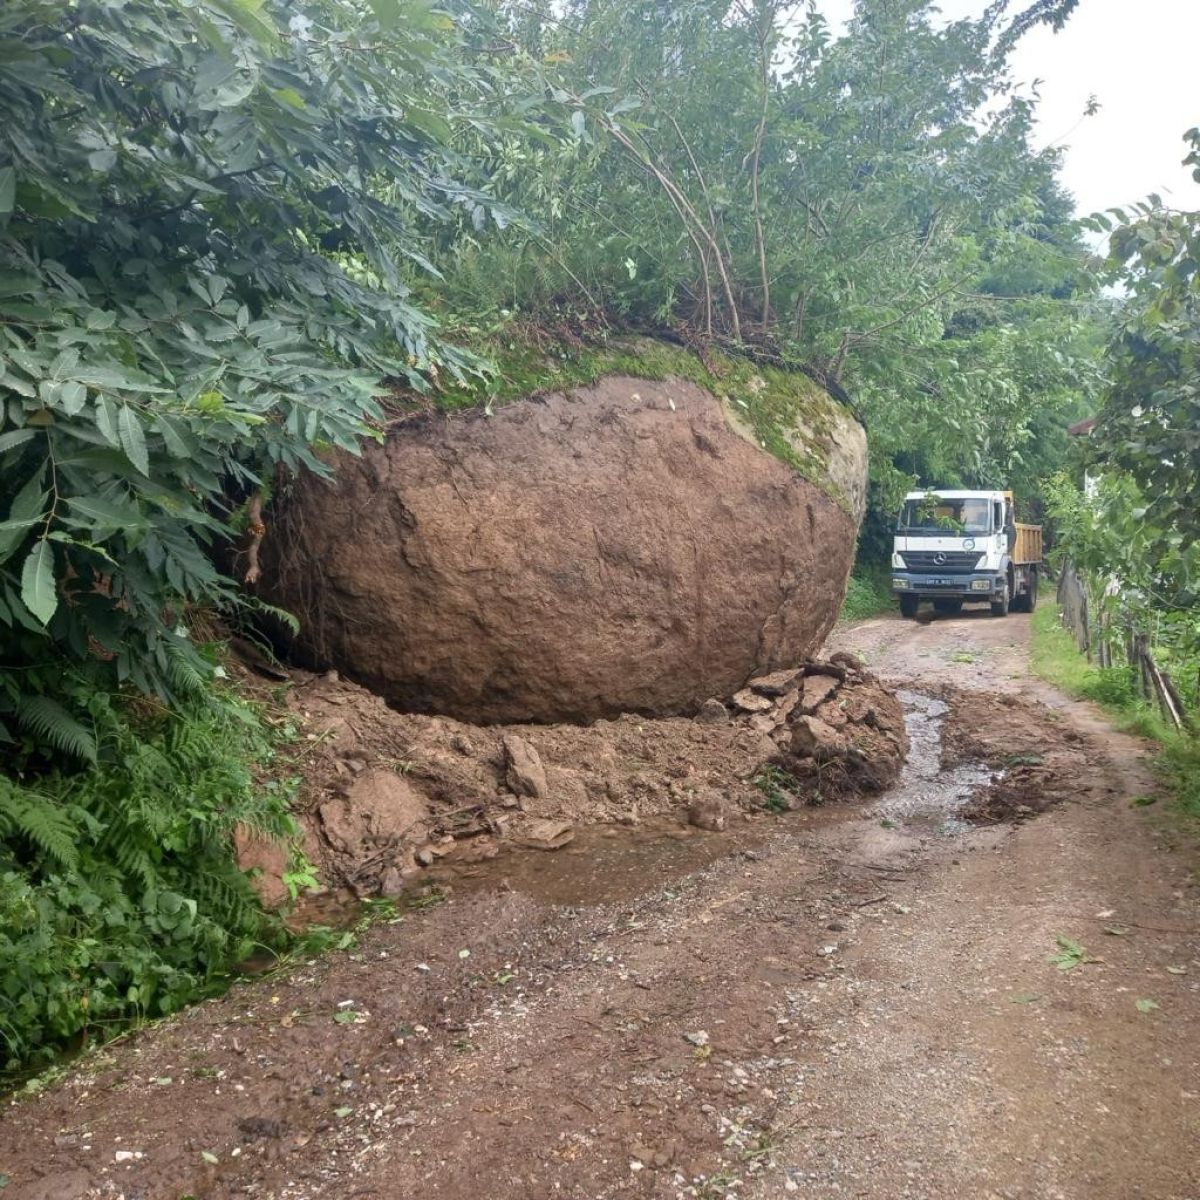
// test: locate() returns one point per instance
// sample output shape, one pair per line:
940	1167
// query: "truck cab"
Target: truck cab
955	547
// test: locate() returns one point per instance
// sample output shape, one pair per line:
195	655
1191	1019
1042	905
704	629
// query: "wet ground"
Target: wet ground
828	1003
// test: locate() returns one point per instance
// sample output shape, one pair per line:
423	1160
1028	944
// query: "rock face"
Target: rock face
622	548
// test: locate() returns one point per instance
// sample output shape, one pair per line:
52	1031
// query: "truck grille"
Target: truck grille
941	562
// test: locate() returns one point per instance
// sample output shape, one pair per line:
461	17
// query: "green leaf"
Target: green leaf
38	591
1146	1006
31	500
8	190
106	419
16	437
12	534
53	724
106	513
126	379
133	440
72	396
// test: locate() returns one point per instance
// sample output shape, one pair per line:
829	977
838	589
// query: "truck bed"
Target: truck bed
1028	546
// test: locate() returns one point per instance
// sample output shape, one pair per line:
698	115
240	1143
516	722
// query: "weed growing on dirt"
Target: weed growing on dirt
1070	954
778	788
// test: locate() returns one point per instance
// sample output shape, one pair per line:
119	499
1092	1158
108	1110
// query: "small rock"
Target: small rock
844	658
543	835
712	712
392	882
525	774
835	926
462	745
775	684
817	689
424	857
707	812
814	738
752	702
697	1038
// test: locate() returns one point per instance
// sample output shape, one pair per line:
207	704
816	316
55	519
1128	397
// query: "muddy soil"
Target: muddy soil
843	1001
387	796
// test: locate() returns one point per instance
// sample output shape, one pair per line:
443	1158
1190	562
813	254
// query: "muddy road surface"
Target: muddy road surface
850	1001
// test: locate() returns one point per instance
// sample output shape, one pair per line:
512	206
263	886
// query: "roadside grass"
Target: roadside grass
868	594
1057	660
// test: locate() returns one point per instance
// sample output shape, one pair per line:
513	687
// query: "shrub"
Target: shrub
120	897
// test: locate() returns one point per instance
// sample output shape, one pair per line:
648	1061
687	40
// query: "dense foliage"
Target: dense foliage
207	213
1150	423
202	217
1135	532
119	896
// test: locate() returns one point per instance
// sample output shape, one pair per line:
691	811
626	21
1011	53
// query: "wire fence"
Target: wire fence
1110	638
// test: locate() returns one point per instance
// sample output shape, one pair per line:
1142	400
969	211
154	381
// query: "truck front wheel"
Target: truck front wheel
1000	604
909	606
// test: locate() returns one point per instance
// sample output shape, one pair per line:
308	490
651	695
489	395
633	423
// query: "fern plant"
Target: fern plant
120	894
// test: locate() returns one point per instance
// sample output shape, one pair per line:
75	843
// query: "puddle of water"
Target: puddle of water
605	864
926	795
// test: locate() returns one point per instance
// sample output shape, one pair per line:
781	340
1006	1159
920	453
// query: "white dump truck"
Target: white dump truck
954	547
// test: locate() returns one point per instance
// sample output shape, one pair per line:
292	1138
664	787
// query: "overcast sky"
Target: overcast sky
1139	59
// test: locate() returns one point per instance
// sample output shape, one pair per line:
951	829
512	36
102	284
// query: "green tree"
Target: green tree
1150	421
207	215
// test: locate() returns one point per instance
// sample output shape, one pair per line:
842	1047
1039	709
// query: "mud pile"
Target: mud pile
386	795
624	547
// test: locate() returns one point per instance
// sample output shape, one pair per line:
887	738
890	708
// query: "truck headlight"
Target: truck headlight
900	584
897	562
981	585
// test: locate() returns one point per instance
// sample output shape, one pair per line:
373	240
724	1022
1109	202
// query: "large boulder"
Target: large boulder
628	546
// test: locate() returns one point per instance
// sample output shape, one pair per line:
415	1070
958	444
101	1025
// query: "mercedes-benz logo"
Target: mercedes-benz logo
939	559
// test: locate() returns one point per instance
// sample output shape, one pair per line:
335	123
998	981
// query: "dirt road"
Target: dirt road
842	1002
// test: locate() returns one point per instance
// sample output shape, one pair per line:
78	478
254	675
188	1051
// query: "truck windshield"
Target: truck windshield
944	515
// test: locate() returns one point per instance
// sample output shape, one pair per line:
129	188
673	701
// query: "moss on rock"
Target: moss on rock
780	410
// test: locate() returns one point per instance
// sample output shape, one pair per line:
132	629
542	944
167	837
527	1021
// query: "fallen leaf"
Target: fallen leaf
1027	998
1145	1006
1177	970
209	1157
